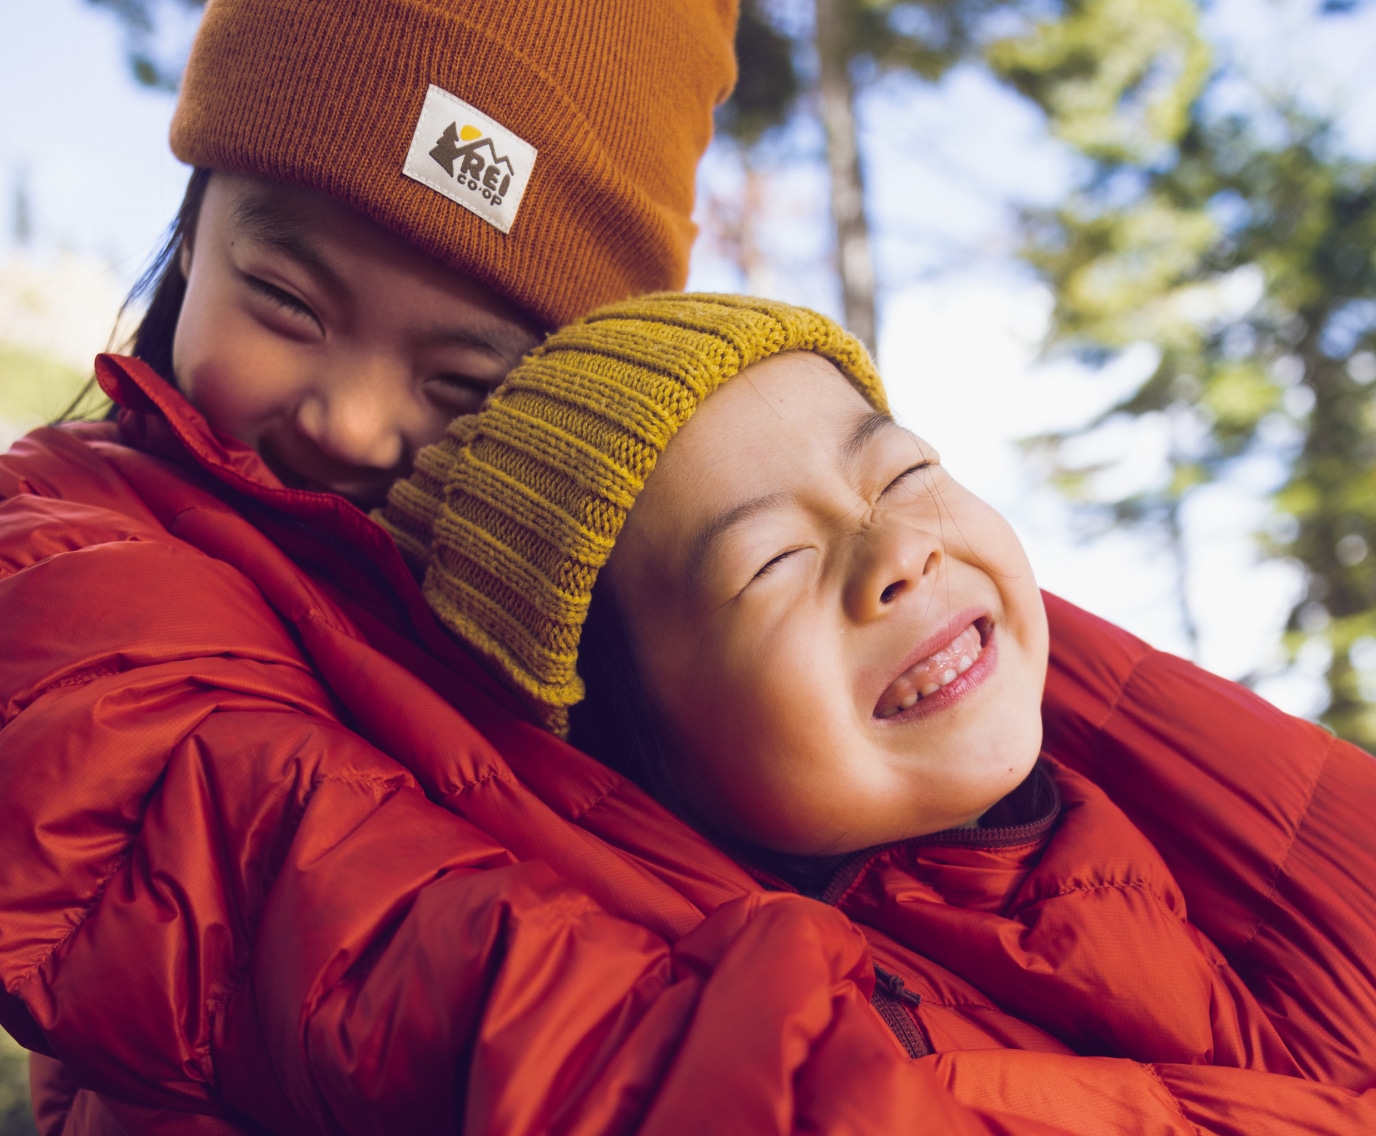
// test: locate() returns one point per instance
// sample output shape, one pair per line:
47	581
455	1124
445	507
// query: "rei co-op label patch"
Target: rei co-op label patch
469	158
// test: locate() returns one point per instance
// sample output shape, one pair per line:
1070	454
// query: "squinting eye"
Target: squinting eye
907	473
770	565
462	393
283	299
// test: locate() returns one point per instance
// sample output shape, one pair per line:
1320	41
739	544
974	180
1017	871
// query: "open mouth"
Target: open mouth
934	673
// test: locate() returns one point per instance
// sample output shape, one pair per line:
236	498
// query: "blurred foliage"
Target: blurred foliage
34	389
777	48
142	21
1116	78
16	1115
1243	247
768	85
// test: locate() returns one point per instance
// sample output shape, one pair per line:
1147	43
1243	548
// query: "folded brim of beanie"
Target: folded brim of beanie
516	511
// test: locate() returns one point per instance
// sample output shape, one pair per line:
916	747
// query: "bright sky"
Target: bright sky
90	143
961	323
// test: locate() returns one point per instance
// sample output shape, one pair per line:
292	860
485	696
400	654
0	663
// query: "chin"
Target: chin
1009	762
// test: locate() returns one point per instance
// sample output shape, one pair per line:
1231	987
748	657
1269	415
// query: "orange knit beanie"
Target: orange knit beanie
543	148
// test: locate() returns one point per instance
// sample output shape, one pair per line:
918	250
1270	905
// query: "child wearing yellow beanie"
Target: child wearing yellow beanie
687	533
800	632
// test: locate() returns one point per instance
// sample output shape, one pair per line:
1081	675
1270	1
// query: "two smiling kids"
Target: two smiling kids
270	875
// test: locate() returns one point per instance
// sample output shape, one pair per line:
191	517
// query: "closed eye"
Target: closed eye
280	297
912	469
770	565
462	394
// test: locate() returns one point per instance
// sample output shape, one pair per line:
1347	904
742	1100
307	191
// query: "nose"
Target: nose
354	415
894	558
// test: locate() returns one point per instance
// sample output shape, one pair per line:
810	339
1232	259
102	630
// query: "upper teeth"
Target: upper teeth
932	673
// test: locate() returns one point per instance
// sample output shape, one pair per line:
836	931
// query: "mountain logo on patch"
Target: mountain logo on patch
485	171
470	158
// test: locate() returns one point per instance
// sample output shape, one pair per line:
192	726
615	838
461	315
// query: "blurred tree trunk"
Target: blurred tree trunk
836	99
732	222
790	65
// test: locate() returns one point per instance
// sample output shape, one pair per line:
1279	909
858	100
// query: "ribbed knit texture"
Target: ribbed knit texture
616	95
516	510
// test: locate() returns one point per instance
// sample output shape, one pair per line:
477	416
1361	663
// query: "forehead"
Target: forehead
322	232
791	381
260	207
768	429
771	412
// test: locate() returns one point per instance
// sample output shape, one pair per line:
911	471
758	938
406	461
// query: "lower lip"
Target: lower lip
954	690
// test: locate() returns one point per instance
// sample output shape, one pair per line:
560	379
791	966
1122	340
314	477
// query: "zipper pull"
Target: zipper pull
893	986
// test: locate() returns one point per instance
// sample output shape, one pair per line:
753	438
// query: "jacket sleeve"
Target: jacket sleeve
218	899
1090	1096
1265	820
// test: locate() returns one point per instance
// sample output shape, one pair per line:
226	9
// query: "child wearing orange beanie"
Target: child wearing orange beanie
205	847
392	200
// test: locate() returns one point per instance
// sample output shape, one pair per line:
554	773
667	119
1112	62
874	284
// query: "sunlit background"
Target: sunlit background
1118	221
949	164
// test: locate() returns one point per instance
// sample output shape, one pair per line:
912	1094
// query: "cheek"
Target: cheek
226	365
761	730
989	544
772	680
987	539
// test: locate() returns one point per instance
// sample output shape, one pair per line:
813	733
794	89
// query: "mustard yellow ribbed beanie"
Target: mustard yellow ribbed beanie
516	510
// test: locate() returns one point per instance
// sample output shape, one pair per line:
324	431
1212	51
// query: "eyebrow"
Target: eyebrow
263	220
707	537
865	428
704	541
260	219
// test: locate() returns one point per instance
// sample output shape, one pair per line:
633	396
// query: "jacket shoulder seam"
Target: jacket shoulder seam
83	915
1281	861
1151	1072
462	787
81	679
1115	885
1112	708
619	783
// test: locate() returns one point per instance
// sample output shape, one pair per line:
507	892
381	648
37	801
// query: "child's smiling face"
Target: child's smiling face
797	570
331	346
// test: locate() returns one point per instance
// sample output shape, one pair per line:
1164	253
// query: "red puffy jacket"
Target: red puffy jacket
275	855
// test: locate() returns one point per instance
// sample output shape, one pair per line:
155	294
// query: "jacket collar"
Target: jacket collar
1018	824
329	535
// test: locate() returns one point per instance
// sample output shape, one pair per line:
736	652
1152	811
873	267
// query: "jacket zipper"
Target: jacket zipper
891	999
